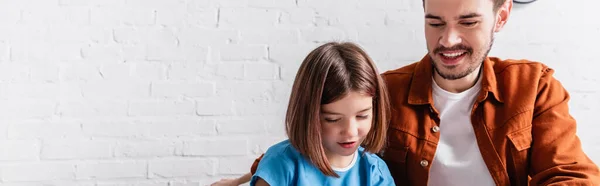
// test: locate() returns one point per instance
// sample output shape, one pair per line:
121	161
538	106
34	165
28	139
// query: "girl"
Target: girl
336	120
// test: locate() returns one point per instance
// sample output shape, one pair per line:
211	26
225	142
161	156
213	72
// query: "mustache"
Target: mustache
455	47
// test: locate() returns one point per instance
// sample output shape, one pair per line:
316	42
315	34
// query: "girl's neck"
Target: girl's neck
340	162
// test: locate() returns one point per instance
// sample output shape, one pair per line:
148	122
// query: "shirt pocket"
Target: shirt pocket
521	141
396	153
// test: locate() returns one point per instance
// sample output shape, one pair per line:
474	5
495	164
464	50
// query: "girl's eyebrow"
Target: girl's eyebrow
334	113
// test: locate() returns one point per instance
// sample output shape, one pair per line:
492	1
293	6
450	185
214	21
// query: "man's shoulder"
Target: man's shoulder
401	75
405	70
519	67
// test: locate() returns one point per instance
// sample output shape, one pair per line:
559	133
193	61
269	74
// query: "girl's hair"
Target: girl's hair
326	75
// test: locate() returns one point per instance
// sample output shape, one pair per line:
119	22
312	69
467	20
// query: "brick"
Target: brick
184	17
235	165
260	145
116	89
115	71
133	183
272	3
401	18
145	36
66	149
190	71
10	15
215	147
79	72
145	148
31	129
130	16
247	17
279	36
102	52
242	52
37	172
231	71
4	52
112	170
51	183
382	35
248	108
156	128
202	36
27	108
212	107
161	108
304	17
321	35
149	71
13	72
172	168
29	90
230	3
40	15
186	89
45	73
81	34
93	3
261	71
185	127
178	54
241	126
15	150
92	108
42	52
289	54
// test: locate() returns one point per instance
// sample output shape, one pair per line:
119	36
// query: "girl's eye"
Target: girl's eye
363	116
331	120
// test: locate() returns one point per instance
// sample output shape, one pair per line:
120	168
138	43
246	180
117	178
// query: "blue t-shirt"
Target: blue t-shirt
282	164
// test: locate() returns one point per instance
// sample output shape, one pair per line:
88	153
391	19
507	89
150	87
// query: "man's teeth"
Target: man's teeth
453	54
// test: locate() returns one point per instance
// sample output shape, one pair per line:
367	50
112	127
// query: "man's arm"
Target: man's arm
556	154
231	182
243	179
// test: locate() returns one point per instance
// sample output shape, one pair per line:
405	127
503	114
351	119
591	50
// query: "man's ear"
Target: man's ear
502	15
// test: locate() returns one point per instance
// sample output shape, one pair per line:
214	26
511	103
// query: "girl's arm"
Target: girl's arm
261	182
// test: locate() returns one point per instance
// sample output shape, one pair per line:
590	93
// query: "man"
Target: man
462	118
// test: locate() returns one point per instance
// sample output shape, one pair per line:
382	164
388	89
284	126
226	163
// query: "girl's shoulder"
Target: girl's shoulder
283	150
377	165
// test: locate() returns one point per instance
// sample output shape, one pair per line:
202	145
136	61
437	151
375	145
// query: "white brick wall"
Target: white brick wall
183	93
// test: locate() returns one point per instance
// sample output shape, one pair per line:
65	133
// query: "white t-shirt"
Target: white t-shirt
457	159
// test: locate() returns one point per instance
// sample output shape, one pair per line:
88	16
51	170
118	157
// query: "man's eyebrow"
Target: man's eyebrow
430	16
471	15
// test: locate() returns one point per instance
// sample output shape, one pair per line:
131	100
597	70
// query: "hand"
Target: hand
226	182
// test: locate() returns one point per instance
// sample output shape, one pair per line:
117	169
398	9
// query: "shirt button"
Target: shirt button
435	129
424	163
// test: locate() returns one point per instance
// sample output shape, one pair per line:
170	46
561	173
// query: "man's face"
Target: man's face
459	34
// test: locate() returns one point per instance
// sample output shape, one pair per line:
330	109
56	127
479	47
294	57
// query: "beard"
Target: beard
475	59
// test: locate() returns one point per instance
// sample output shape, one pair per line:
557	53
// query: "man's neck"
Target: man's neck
457	85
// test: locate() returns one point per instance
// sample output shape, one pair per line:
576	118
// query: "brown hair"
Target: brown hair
497	4
326	75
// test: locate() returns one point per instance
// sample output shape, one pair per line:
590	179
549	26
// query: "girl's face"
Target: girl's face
345	123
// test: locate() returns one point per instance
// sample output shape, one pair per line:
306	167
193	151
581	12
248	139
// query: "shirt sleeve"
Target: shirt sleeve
275	169
556	153
381	175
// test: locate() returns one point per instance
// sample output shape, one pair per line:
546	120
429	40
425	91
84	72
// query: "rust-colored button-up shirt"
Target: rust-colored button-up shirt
520	119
